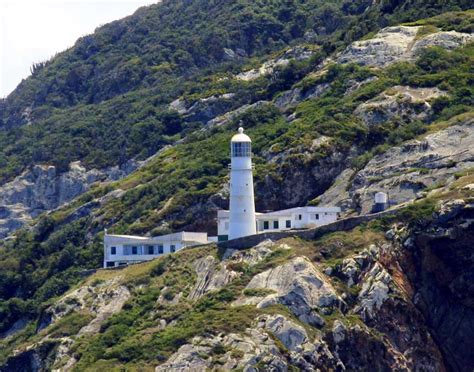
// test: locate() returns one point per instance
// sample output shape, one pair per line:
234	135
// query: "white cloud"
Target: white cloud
35	30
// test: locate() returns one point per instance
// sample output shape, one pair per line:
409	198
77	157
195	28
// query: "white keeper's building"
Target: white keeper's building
287	219
120	250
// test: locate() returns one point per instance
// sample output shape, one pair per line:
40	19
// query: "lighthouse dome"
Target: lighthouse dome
241	137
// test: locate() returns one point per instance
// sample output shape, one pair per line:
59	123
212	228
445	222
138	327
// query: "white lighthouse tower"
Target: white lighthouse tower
242	205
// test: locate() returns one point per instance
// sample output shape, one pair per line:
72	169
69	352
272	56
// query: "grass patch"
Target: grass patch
425	31
70	325
257	292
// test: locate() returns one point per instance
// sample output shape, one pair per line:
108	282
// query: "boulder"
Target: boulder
450	209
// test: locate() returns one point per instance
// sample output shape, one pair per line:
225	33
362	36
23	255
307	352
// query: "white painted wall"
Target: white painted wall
123	244
308	219
242	204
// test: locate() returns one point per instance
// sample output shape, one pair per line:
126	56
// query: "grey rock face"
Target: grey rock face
289	333
339	331
203	109
374	291
447	40
251	256
187	358
297	285
43	188
403	102
388	46
292	97
405	170
253	346
210	276
297	53
399	43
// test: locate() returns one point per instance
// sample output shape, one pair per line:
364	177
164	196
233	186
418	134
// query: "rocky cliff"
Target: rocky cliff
393	294
43	189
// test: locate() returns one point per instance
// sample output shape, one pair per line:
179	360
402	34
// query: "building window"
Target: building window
134	250
265	225
160	249
110	264
288	224
275	224
113	250
298	217
172	248
241	149
316	216
150	249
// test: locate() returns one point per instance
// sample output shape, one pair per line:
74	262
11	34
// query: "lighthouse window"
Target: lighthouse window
241	149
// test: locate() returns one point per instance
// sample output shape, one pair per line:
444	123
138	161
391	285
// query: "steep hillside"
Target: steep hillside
393	294
98	101
334	117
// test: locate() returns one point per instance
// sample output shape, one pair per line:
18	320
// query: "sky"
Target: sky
35	30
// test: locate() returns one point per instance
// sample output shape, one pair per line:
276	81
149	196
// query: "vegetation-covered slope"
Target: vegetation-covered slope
135	66
301	145
359	292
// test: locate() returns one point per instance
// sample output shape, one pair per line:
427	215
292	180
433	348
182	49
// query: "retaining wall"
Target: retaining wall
309	234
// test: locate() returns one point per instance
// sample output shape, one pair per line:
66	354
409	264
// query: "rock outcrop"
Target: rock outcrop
297	53
399	43
405	171
401	303
297	285
401	102
294	96
43	188
210	276
203	109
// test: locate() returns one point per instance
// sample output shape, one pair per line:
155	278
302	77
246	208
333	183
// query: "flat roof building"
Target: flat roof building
287	219
122	250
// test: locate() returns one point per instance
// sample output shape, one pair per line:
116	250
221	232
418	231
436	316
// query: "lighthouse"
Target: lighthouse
242	205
